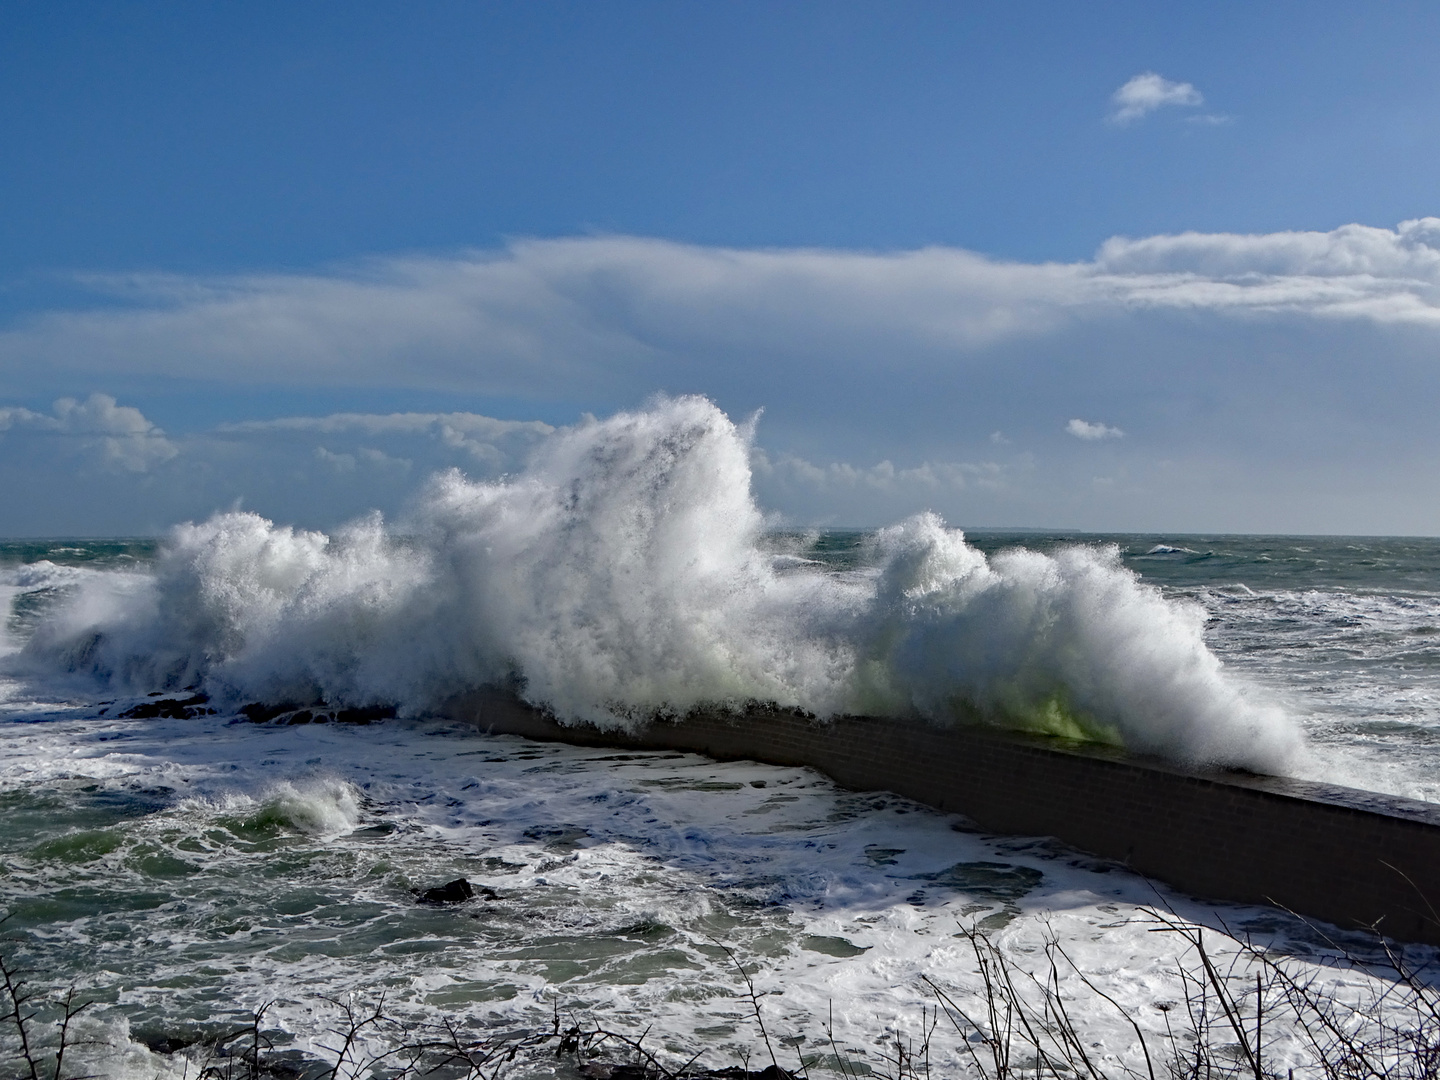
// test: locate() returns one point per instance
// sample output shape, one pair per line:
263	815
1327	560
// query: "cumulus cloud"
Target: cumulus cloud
314	470
1148	91
117	435
1084	429
348	463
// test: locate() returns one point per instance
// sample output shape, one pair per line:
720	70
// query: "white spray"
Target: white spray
622	574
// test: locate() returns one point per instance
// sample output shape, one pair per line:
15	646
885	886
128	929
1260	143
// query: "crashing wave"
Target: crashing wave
623	574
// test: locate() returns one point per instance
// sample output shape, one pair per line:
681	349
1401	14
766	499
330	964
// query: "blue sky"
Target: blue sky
892	226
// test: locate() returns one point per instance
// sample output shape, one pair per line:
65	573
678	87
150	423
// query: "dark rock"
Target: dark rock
167	1044
285	1065
366	715
168	709
290	712
558	838
456	892
259	713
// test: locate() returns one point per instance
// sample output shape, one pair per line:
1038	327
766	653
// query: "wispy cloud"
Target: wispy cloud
484	440
882	477
1084	429
1148	91
1210	343
564	318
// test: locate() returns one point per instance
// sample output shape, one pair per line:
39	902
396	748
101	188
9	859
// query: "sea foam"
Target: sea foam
623	574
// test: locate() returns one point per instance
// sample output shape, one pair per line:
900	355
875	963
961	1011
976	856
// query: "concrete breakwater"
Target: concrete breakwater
1348	857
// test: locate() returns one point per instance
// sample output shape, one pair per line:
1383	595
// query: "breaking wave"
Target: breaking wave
625	574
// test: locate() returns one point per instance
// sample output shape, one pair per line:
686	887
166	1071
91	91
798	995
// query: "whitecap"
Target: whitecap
625	573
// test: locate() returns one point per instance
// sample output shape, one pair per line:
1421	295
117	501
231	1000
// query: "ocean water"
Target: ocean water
186	870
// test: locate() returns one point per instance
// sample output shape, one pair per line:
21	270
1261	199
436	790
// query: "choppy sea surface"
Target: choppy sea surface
184	872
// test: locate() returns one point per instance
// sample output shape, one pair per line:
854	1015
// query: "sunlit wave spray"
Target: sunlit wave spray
623	575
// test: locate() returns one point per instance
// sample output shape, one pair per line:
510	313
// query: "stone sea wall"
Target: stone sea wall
1347	857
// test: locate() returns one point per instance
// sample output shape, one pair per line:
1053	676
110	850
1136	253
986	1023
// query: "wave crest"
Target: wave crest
622	575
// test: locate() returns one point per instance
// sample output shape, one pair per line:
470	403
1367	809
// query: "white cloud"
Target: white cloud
571	319
486	441
845	493
316	470
118	435
1288	348
341	463
543	318
367	456
358	460
1145	93
1083	429
882	477
320	470
1406	257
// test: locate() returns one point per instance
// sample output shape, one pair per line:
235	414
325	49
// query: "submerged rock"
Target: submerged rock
167	1044
457	892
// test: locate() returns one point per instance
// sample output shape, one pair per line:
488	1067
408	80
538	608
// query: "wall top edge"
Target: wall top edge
1355	800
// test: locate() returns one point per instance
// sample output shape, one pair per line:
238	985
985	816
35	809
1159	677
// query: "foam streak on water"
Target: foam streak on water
187	870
